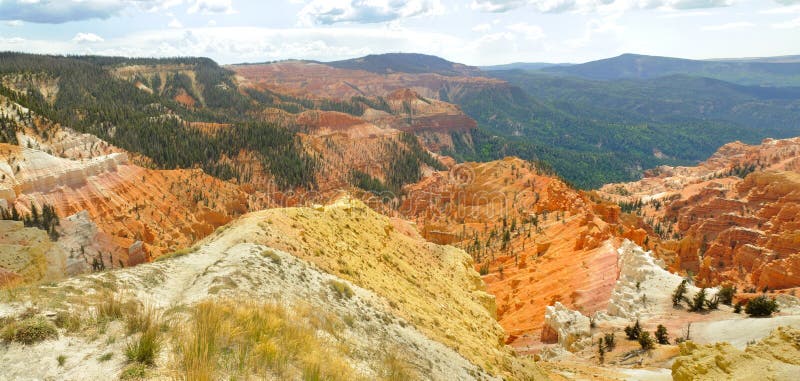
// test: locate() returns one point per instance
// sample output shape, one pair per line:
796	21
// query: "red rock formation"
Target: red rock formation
724	228
561	245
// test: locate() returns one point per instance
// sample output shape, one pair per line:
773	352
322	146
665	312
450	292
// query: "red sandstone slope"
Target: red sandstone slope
409	101
319	80
537	240
722	227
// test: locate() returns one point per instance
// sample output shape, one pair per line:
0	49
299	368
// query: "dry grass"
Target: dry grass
176	254
29	330
145	348
226	339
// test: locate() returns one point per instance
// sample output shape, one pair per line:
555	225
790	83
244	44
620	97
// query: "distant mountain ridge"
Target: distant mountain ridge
758	72
523	66
406	63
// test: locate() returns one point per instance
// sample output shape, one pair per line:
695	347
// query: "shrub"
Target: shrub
699	301
105	357
133	372
70	321
713	304
141	320
761	306
110	307
679	294
145	349
662	337
29	331
646	341
633	332
61	359
484	269
176	254
601	352
341	289
273	256
394	368
610	341
738	307
726	294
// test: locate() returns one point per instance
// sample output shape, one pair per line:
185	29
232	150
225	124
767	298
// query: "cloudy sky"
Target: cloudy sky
477	32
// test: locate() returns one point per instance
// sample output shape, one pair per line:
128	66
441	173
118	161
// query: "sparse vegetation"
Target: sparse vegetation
726	294
601	351
341	289
633	332
28	331
679	294
395	368
134	371
70	321
61	359
662	337
698	303
176	254
646	341
272	255
610	341
145	348
761	306
247	339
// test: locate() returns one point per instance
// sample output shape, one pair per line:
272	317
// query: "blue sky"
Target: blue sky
477	32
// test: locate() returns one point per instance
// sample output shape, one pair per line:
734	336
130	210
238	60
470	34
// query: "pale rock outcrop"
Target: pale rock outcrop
30	253
776	357
84	243
644	288
566	326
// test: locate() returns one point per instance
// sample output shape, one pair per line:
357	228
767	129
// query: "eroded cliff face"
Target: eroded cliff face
536	240
416	103
320	80
732	219
163	209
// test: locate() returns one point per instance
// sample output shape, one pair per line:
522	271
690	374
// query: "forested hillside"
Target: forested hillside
594	132
89	99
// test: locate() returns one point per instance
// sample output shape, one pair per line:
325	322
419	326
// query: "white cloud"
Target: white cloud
586	6
729	26
14	23
83	38
175	24
61	11
211	7
527	31
788	9
482	28
328	12
498	5
683	14
791	24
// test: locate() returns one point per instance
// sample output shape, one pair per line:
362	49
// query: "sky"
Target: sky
474	32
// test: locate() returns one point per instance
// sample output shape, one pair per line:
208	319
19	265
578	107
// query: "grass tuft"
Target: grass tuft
29	331
226	339
341	289
133	372
146	347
